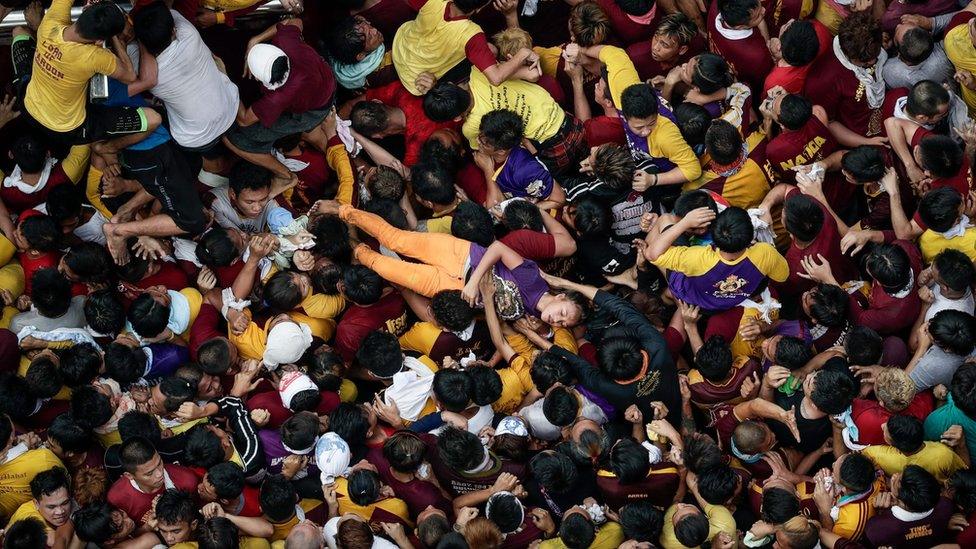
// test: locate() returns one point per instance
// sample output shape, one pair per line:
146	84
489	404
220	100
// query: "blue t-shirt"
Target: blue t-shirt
118	96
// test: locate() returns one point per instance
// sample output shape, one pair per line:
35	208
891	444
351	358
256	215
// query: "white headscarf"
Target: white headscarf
870	78
332	456
287	342
260	59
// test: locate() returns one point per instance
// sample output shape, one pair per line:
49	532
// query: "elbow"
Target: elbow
566	249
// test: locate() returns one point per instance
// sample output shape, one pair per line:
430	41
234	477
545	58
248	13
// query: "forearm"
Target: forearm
244	282
495	330
379	155
252	526
581	105
694	337
472	499
500	72
846	137
672	177
899	221
660	243
897	138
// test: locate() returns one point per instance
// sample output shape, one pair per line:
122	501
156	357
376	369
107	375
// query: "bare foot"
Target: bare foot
116	244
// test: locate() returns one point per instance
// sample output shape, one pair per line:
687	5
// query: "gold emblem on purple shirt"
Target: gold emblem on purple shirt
730	285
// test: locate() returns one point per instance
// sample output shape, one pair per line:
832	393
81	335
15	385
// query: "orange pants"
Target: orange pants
444	256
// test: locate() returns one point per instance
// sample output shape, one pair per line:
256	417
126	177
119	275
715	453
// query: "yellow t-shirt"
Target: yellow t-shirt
743	189
28	511
608	536
698	260
549	59
960	50
16	475
932	244
516	383
430	43
852	517
58	90
395	506
665	140
934	457
719	520
245	543
539	111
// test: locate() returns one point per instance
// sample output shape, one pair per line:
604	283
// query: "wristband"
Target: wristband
221	18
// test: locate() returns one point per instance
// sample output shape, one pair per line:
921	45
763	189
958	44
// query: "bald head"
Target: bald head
305	535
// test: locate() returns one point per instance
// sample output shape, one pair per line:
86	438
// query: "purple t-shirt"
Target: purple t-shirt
525	277
524	176
275	453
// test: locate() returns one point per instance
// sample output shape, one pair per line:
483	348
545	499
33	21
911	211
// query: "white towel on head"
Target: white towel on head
261	59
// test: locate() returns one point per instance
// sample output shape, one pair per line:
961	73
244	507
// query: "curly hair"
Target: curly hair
90	485
860	37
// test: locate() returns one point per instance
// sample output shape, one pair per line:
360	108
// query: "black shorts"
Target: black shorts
164	172
101	122
22	56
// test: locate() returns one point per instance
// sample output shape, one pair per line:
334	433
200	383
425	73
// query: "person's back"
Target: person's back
56	95
187	72
309	83
430	43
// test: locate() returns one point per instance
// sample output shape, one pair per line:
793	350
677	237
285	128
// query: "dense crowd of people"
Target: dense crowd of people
488	274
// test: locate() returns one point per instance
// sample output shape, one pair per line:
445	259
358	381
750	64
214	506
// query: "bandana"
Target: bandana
15	452
293	164
644	19
728	170
465	334
332	456
15	179
730	34
484	465
908	287
765	307
353	76
287	343
747	458
299	451
958	229
848	498
293	383
511	425
411	388
850	428
641	374
261	59
870	78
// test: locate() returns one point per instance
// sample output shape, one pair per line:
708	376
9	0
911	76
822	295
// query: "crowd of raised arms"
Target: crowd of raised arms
438	274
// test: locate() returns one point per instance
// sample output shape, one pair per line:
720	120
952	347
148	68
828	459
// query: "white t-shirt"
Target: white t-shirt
965	303
201	102
227	216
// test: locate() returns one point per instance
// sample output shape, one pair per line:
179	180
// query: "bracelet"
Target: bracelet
655	180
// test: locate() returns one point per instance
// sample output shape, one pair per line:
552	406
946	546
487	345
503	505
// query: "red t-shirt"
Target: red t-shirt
531	244
601	130
313	180
793	78
168	275
869	415
388	314
419	127
310	85
33	264
137	504
472	181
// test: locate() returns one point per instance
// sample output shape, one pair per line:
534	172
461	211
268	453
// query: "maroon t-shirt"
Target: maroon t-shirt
887	314
827	244
648	67
749	58
458	483
658	487
811	143
886	530
310	85
137	504
417	494
707	394
531	244
278	414
449	344
835	88
389	314
387	16
626	29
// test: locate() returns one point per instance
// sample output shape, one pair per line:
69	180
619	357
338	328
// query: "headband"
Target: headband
511	425
293	383
260	61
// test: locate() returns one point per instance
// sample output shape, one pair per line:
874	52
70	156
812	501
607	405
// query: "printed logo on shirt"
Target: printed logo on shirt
730	286
919	532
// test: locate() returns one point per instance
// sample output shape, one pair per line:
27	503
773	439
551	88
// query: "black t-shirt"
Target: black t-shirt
813	432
